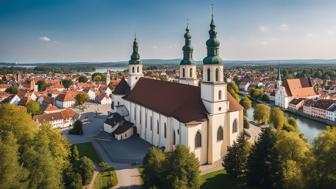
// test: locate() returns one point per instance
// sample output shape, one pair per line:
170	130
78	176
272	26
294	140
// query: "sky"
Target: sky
103	30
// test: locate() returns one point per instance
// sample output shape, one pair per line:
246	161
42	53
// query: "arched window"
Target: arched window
138	69
220	134
151	123
191	72
198	140
208	74
219	95
183	72
165	130
157	127
235	126
174	138
217	74
132	69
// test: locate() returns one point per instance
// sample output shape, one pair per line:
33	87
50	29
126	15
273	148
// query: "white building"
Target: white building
65	100
206	119
58	118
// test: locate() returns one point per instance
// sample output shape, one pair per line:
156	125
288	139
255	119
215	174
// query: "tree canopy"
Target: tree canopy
277	118
66	83
261	113
81	98
33	107
82	79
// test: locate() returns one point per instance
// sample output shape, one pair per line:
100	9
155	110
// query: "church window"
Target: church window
165	130
220	134
157	127
138	69
135	114
217	74
235	126
183	72
198	140
219	95
151	123
132	69
174	138
208	74
220	108
191	72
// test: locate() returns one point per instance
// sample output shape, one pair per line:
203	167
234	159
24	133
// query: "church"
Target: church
201	115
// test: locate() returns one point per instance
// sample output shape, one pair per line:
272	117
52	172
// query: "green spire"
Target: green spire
187	49
212	46
135	57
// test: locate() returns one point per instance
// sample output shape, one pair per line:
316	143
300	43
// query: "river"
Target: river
309	128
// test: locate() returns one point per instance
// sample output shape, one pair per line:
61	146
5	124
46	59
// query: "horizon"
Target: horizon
40	32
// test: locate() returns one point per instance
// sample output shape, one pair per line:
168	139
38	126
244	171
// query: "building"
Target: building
320	107
103	98
293	88
206	119
58	118
296	104
118	127
331	113
65	100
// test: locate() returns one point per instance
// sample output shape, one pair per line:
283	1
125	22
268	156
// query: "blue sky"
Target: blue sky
103	30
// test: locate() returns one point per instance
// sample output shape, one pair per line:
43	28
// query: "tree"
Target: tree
77	128
82	79
86	169
81	98
181	169
66	83
324	149
246	102
9	161
264	165
232	87
277	118
12	90
256	93
33	107
261	113
153	168
235	161
111	86
42	85
265	97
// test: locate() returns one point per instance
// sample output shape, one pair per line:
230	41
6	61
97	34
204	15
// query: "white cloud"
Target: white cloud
263	28
284	27
45	39
310	35
330	32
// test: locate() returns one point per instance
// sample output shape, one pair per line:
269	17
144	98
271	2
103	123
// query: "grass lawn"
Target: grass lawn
86	149
106	179
218	180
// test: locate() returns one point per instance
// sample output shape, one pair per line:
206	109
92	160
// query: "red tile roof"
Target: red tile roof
299	88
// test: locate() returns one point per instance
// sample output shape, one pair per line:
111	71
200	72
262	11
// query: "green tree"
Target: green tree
42	85
181	169
261	113
72	180
264	165
232	87
81	98
292	175
33	107
256	93
74	153
246	102
82	79
66	83
153	167
77	128
12	90
235	161
265	97
86	169
277	118
324	149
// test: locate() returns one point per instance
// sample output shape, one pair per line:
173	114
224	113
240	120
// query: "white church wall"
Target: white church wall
200	152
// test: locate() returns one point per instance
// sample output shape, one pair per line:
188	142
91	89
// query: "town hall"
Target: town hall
201	115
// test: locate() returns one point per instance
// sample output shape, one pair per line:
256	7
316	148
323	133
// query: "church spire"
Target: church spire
135	57
212	45
187	48
279	74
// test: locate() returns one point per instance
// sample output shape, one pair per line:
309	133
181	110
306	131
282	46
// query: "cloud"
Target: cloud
263	28
330	32
284	27
45	39
310	35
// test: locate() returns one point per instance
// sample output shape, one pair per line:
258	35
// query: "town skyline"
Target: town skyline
103	32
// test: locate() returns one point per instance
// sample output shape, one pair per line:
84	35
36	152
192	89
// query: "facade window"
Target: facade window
132	69
217	74
208	74
151	123
138	69
174	138
235	126
135	114
146	119
183	72
198	140
158	127
219	95
220	134
191	72
165	130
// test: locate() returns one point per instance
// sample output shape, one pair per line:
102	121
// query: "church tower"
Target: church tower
213	87
134	66
108	77
279	81
188	73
